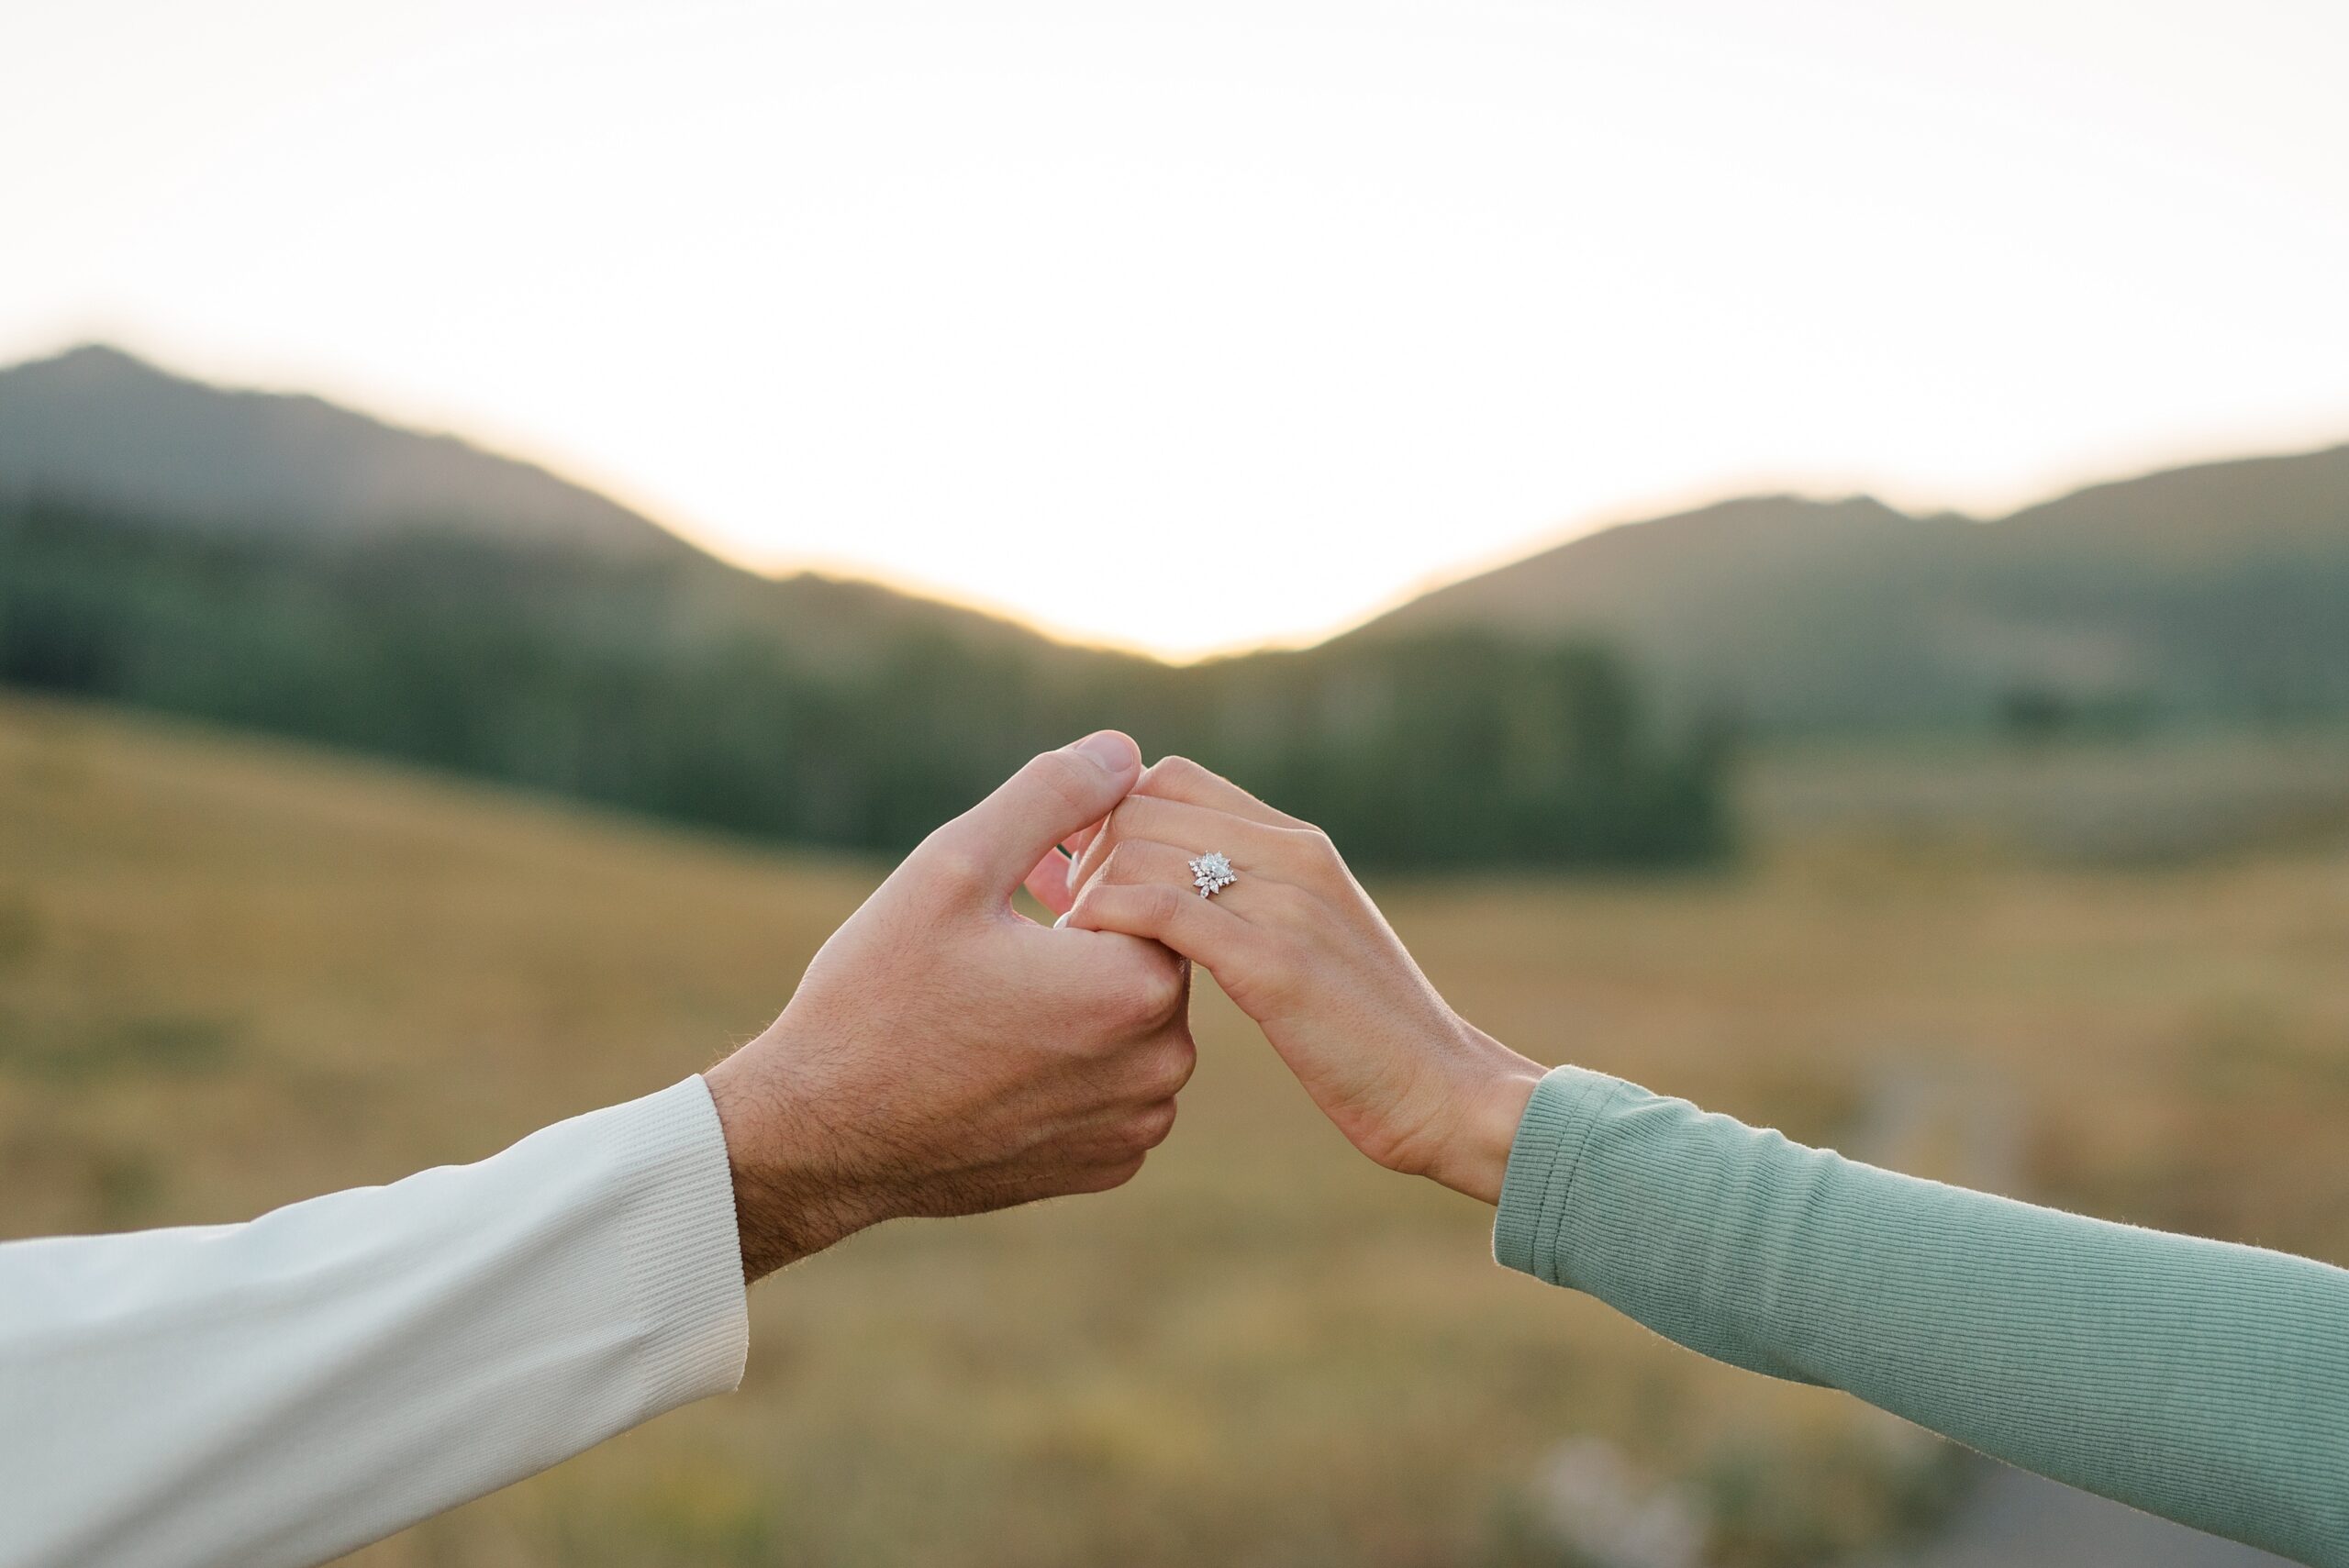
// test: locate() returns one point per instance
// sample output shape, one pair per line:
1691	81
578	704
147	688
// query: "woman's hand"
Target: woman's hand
1302	950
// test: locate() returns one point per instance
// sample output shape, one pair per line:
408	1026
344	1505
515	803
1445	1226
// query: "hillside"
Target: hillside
720	700
100	430
100	426
2206	592
2210	592
2203	594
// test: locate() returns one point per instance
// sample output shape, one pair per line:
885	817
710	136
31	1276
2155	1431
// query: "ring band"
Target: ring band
1212	873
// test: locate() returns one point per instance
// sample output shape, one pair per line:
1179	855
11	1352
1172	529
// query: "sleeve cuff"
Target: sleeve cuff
1529	1228
680	1247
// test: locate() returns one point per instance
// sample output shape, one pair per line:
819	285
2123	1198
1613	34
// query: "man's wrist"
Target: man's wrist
785	1209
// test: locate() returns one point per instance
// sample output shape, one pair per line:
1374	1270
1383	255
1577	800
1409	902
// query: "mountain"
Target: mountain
100	429
2216	590
276	563
105	428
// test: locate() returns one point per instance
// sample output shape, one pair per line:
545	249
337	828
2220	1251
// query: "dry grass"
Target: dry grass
232	976
2115	802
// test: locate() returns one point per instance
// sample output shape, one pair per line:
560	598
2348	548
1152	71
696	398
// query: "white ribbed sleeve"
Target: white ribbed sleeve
281	1391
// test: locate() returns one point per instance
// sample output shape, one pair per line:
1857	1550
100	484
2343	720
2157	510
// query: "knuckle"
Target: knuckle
1171	1067
1122	864
1154	990
1170	774
1124	820
1163	904
1316	858
1066	780
1120	1010
1144	909
1099	854
1103	1177
1169	984
1151	1124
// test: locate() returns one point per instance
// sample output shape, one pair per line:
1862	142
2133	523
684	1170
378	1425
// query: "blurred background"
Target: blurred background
1803	552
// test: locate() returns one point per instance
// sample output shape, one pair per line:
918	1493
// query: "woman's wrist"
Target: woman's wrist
1495	1085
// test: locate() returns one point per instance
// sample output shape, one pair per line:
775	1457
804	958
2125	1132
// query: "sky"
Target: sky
1203	326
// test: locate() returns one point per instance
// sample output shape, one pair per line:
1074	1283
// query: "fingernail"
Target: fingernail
1115	752
1062	921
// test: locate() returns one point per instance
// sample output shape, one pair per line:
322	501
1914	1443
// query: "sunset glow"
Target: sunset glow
1073	311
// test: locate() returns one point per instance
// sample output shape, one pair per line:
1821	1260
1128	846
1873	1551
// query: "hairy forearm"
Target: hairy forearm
787	1205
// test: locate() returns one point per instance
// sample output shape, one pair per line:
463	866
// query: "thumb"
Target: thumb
1055	795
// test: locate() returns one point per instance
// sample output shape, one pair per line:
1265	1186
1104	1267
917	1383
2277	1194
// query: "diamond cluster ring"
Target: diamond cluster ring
1212	873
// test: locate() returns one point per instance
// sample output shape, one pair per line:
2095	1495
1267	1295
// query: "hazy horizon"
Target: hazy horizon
1506	557
1229	329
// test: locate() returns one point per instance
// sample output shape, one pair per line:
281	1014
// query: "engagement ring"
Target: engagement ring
1211	874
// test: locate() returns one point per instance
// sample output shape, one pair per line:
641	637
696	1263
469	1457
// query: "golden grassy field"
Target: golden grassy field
233	974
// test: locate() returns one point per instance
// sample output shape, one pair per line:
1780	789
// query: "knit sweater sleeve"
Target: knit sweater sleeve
2202	1381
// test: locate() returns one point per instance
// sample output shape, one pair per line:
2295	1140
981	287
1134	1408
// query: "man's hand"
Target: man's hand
1303	951
945	1055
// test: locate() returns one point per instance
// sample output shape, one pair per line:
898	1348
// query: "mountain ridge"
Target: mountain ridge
104	428
2200	590
236	458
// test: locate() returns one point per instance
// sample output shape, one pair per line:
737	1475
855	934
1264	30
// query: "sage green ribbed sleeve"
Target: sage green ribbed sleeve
2202	1381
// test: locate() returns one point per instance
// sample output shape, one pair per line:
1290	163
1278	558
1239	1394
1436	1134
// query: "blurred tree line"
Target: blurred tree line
690	691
